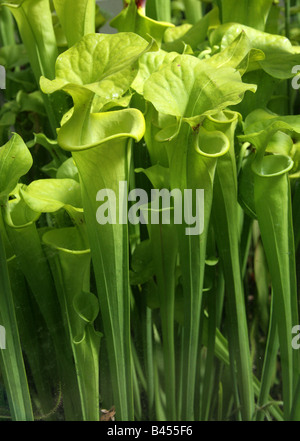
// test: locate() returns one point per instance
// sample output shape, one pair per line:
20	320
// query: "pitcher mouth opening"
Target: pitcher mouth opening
273	165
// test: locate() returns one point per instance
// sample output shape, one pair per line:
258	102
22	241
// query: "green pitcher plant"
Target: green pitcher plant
94	142
275	221
149	211
192	155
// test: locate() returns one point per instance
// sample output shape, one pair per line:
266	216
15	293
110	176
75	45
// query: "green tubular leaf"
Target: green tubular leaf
70	266
280	143
132	19
15	161
34	22
25	242
296	214
86	306
83	18
272	347
272	165
263	128
164	252
17	213
222	353
157	150
101	149
225	220
295	414
103	154
262	284
253	13
190	88
11	358
7	29
272	207
214	305
193	10
276	142
192	169
100	128
206	148
107	163
160	10
35	341
163	246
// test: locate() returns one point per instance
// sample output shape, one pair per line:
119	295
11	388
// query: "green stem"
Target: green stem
159	405
150	362
271	353
7	29
246	237
159	10
287	15
209	375
83	18
147	344
164	255
193	10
